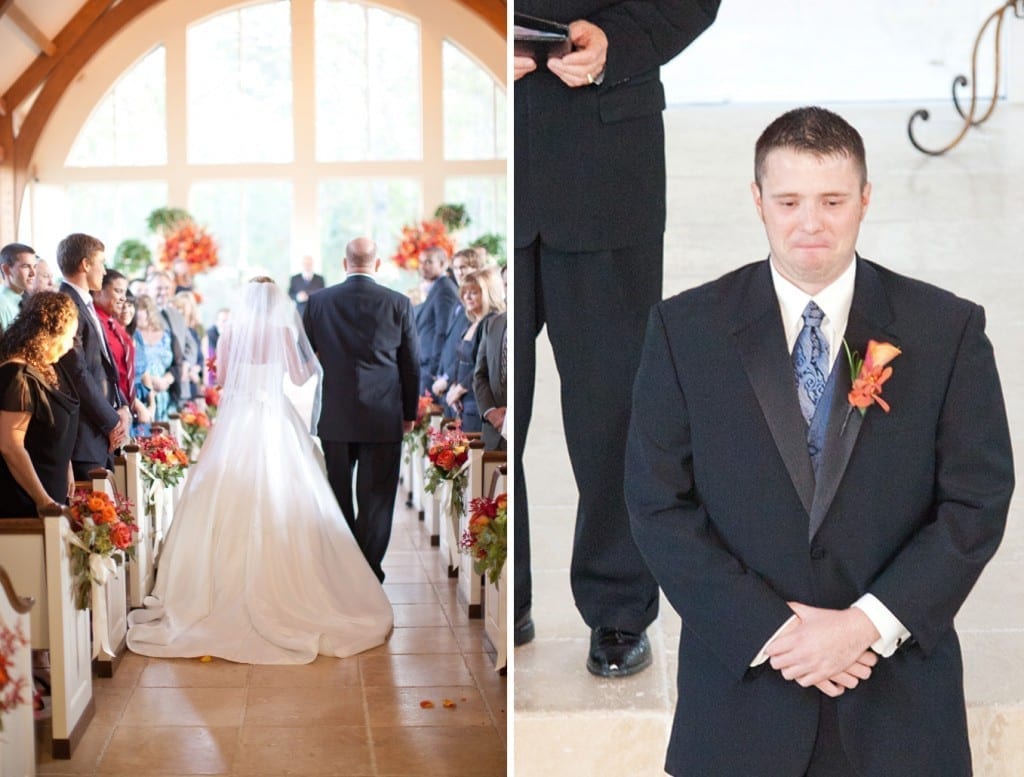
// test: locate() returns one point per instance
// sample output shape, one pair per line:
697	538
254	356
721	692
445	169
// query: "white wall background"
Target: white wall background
845	50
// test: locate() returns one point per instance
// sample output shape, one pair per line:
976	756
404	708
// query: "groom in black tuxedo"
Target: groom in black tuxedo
364	336
817	534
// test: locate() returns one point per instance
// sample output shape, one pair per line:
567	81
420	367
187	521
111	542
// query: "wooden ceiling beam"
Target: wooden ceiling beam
27	26
494	12
43	65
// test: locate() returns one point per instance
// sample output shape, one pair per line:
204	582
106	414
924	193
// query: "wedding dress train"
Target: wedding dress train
259	565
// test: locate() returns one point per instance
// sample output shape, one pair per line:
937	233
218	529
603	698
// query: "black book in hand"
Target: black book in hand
540	39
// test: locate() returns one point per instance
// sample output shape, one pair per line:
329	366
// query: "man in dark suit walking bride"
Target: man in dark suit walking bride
365	338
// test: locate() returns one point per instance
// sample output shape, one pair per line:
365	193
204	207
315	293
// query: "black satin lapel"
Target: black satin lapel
870	316
762	347
844	424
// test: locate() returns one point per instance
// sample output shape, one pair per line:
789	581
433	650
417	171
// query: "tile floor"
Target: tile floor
355	716
955	221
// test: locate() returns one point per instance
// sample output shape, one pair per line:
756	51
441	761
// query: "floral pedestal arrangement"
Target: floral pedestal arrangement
447	476
485	541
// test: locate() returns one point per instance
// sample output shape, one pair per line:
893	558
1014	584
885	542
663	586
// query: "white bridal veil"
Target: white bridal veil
263	341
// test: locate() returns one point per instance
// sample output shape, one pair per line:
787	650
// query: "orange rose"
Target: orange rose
95	502
502	501
446	459
121	535
107	514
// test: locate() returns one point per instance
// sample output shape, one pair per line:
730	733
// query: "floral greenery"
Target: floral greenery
417	438
418	238
448	452
495	245
486	539
195	425
452	215
104	526
10	686
162	460
163	220
132	257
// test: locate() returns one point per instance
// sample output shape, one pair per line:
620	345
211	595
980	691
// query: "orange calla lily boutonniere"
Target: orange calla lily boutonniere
869	374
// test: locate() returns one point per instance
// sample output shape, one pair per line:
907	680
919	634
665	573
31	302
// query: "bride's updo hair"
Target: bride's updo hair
262	279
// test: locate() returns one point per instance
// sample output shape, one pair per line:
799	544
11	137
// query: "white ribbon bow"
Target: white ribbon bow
101	569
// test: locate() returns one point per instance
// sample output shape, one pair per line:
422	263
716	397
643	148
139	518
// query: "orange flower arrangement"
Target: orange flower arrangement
104	526
486	539
195	425
448	452
191	242
162	459
417	238
869	374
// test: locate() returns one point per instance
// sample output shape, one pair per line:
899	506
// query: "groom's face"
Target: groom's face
812	207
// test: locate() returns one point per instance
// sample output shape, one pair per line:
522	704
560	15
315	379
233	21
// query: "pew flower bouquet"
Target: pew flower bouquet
162	459
417	438
486	539
195	425
11	687
448	452
103	528
211	397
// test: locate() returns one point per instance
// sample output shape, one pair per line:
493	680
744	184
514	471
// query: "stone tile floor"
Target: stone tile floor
354	716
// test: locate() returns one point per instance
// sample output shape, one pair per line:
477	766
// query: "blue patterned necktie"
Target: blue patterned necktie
810	361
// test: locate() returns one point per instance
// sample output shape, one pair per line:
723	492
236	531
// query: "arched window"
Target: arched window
286	128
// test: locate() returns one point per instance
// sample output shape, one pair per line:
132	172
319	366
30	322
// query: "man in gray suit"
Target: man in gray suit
364	336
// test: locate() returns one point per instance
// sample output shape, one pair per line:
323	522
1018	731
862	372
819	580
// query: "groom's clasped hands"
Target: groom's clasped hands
827	649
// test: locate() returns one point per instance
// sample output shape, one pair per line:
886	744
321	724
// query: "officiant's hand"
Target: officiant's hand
585	63
407	426
522	66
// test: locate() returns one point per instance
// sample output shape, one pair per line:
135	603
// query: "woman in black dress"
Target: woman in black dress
38	406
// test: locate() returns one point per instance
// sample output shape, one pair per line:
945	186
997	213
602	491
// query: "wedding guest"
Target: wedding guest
127	317
105	418
433	315
44	277
481	298
38	406
182	277
154	359
816	530
183	348
185	303
589	232
490	381
138	286
463	263
110	301
17	273
302	284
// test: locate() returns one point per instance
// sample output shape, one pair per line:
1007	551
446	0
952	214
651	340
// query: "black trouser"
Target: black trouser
376	468
595	306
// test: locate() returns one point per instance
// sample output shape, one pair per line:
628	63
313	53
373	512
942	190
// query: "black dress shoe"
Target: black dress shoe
616	653
522	631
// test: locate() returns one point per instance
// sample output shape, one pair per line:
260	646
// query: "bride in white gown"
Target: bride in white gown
260	566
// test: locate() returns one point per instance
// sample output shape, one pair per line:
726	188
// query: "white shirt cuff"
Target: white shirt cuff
893	632
761	656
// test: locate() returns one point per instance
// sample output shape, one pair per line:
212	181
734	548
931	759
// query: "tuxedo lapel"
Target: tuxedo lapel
870	315
762	345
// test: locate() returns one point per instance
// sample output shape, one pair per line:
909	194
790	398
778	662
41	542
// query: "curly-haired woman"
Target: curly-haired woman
38	406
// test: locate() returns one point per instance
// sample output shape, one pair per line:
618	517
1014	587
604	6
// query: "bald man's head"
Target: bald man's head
361	255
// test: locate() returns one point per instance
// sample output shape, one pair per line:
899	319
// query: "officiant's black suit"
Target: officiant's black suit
364	336
589	220
95	378
909	506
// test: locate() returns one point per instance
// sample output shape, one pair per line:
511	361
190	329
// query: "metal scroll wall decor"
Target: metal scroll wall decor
997	16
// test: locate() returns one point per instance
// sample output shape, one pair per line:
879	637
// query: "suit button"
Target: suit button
817	552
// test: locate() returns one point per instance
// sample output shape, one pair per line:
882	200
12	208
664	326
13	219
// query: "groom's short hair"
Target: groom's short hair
361	259
811	130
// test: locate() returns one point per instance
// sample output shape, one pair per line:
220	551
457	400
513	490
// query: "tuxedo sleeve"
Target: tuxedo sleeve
928	580
485	400
94	404
443	307
408	359
645	34
727	605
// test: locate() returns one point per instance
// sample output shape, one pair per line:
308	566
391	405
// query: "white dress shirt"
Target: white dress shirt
834	301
